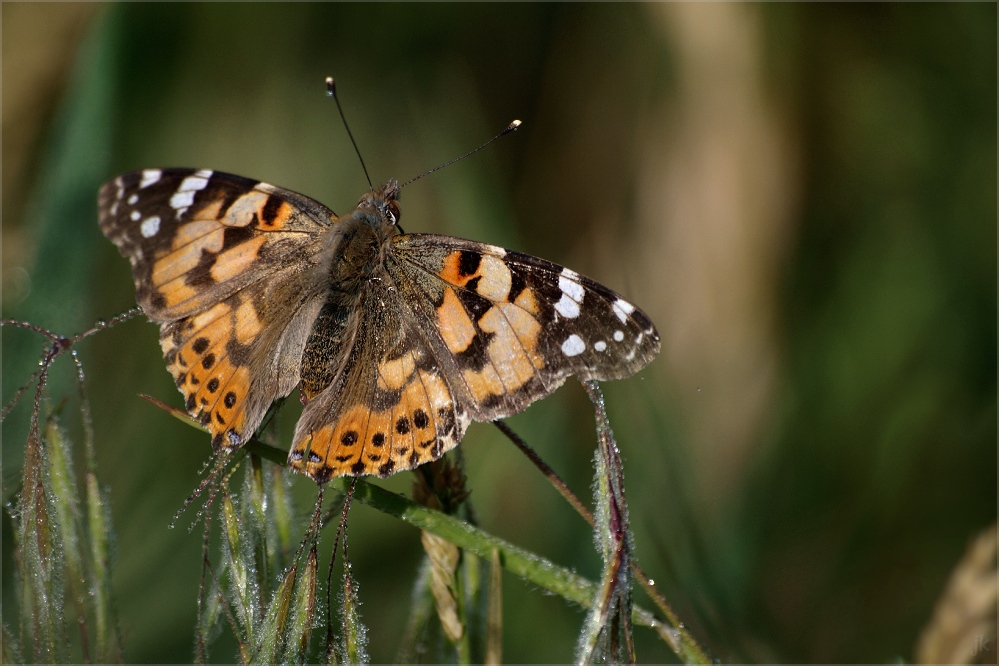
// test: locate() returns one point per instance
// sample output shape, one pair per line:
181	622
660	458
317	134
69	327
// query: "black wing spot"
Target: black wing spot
402	425
468	263
230	399
313	457
357	467
420	419
323	474
414	458
349	438
218	417
190	402
447	424
234	236
212	385
378	439
386	469
200	345
208	361
271	208
517	285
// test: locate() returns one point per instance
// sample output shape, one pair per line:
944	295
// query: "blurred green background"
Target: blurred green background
802	197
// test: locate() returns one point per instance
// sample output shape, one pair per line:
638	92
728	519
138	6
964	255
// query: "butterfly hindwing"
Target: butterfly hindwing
388	406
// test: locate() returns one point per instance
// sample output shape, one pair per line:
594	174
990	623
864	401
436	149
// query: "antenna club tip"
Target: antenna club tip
330	85
510	128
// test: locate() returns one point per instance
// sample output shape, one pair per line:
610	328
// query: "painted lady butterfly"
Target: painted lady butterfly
397	340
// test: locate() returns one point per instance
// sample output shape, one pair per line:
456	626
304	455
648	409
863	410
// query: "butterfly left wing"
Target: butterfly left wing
509	327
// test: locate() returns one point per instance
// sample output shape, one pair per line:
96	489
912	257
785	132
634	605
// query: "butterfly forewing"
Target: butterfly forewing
227	266
195	237
515	324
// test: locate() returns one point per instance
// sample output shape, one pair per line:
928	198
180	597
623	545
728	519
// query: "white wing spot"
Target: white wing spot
573	345
132	199
618	336
150	226
150	176
135	215
600	345
572	294
184	196
567	307
569	287
114	209
194	183
182	199
622	309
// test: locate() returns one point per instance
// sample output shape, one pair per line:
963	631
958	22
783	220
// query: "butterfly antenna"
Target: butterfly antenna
331	92
509	128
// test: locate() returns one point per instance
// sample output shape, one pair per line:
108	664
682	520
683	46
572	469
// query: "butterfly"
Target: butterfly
397	341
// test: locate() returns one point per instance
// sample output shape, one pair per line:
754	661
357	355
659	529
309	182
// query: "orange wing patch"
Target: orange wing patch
237	259
495	278
513	350
420	427
454	323
215	387
267	211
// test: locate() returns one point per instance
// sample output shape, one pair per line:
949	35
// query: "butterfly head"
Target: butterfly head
380	208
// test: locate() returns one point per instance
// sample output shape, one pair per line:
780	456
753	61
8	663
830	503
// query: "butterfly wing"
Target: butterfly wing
513	326
196	237
231	269
388	406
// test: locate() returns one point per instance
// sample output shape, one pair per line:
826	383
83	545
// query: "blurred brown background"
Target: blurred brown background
802	197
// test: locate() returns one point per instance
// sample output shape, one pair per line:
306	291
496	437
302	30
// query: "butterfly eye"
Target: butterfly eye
392	212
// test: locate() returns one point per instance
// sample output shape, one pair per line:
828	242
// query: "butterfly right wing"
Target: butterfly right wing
231	268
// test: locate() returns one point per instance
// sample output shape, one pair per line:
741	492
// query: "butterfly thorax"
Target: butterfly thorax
358	243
